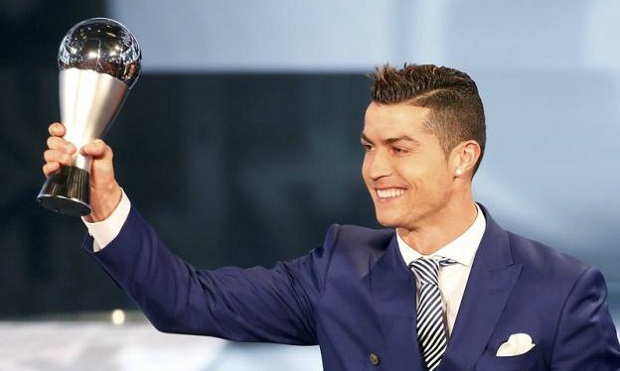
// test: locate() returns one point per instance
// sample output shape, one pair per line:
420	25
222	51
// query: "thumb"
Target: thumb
97	149
102	168
105	193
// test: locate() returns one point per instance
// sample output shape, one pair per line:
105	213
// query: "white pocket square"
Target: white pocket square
517	344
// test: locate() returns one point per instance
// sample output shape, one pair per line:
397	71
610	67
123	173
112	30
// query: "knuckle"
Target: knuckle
47	155
57	143
66	159
53	156
50	168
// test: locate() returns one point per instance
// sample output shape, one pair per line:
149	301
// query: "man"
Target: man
443	288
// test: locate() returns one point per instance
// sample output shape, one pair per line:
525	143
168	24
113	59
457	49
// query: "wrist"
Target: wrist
103	203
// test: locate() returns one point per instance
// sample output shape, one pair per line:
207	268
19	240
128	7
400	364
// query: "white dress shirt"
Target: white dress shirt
105	231
452	278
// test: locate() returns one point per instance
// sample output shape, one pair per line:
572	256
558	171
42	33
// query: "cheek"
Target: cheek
422	177
438	182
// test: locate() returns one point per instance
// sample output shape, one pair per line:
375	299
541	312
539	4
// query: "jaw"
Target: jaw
390	203
412	213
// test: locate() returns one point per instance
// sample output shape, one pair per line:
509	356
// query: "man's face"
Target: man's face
405	168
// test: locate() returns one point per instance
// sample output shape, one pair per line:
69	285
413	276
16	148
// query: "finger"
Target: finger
59	144
56	129
97	149
57	156
50	168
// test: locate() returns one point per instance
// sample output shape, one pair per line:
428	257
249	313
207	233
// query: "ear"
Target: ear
464	157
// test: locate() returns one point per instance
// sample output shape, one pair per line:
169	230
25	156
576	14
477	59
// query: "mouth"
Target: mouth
389	193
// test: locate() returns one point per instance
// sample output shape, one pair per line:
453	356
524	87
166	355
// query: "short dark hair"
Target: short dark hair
456	111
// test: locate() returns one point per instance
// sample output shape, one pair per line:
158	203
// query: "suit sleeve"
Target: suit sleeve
586	338
255	304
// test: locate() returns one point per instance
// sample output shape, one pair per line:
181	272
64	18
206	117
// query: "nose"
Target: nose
377	164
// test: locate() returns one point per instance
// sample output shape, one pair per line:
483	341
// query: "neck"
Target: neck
452	223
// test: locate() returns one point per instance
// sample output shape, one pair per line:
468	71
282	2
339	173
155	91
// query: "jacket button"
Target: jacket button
374	359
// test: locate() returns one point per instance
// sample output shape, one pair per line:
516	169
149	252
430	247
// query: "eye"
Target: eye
366	146
399	150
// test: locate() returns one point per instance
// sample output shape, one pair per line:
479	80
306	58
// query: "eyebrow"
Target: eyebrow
391	140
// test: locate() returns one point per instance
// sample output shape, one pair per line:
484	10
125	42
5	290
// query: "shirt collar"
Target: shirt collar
462	249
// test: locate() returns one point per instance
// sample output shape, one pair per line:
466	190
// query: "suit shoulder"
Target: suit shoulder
348	234
352	248
541	259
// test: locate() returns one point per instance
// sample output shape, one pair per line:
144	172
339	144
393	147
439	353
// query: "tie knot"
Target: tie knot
426	269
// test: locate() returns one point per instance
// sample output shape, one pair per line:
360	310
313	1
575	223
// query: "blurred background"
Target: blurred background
240	144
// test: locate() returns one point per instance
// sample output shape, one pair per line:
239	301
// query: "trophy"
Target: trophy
99	61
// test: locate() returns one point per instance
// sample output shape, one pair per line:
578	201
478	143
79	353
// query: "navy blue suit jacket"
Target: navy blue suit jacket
355	297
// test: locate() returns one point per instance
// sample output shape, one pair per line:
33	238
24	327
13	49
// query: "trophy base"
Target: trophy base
66	192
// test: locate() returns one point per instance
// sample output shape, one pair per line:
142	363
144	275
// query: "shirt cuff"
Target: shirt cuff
103	232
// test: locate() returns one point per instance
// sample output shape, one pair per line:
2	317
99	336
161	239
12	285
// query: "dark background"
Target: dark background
214	161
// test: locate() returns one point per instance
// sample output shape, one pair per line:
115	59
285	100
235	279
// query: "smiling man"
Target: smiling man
416	186
442	287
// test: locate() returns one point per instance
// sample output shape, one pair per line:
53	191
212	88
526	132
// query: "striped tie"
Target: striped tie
430	325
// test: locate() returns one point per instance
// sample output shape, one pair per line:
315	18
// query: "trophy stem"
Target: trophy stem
67	192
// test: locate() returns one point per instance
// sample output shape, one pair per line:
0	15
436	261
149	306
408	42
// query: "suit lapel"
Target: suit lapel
394	298
492	277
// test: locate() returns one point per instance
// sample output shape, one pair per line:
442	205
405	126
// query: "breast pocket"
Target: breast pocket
529	361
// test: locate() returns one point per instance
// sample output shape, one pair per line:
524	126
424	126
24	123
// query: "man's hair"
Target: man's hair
456	111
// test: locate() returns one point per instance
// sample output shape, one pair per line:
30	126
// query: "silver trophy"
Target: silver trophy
99	61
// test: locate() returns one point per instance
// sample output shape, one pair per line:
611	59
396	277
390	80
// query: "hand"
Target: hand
105	193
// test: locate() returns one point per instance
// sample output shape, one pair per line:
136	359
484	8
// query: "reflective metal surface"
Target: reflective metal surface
99	61
101	45
89	101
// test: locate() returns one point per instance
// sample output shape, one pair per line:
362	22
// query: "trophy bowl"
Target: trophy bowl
99	61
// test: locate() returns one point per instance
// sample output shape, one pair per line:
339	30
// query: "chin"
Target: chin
385	221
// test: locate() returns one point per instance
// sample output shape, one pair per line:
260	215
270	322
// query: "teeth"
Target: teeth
390	193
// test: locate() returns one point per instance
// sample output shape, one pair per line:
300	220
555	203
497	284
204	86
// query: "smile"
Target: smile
390	193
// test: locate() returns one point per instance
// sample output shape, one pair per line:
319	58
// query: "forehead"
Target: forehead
391	120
